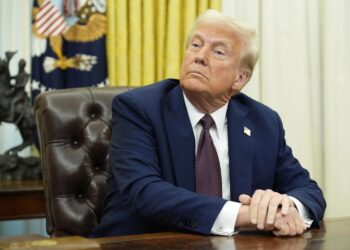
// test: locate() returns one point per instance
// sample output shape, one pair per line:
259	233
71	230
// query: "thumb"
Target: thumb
244	199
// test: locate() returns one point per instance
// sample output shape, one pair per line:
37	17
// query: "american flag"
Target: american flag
49	21
67	56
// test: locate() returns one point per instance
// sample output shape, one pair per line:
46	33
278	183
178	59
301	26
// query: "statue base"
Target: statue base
14	167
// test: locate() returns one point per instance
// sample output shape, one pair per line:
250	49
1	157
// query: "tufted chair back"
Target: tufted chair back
74	128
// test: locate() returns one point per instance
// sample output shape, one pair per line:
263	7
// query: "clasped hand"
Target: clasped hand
275	212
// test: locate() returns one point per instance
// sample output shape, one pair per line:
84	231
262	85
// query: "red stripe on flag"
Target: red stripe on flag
58	28
46	21
51	23
43	14
49	20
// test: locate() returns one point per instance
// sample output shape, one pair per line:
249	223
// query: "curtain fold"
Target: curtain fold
173	39
117	41
336	92
146	38
148	43
289	75
135	41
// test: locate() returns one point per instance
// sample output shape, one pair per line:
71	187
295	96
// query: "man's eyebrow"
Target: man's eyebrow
220	43
197	35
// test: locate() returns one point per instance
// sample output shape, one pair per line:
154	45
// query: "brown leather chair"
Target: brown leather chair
74	129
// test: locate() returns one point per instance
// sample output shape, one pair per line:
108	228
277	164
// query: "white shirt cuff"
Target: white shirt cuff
225	222
303	211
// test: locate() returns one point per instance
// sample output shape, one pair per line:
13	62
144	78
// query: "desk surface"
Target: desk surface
334	234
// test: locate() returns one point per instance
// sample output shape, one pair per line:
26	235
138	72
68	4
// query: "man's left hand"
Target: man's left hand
264	205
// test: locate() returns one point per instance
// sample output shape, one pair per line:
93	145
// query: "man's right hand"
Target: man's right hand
290	224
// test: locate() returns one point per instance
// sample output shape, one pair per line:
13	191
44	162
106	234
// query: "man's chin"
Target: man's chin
193	83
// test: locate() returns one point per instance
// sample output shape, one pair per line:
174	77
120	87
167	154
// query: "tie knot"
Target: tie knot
207	121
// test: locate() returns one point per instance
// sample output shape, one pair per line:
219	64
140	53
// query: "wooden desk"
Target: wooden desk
21	199
334	234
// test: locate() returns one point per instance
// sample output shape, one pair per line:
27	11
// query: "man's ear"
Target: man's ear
240	81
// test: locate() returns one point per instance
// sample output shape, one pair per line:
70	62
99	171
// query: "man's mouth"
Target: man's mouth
197	74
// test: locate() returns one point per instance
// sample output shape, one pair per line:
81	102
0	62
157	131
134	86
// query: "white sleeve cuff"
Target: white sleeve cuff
225	222
303	211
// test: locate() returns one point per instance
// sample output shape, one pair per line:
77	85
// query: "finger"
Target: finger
281	230
263	208
285	204
273	206
279	233
279	223
245	199
292	227
254	203
300	228
300	225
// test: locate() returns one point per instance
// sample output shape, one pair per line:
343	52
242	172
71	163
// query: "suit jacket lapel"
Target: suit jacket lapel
181	138
241	148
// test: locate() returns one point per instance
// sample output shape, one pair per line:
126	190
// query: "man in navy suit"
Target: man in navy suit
152	187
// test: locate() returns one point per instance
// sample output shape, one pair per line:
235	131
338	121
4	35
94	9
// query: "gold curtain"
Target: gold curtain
146	38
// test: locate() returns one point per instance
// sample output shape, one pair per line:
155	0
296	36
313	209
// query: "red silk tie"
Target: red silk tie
208	173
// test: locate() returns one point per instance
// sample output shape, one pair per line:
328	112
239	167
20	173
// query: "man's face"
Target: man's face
211	64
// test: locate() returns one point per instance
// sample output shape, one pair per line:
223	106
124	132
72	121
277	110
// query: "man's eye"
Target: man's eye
219	52
195	45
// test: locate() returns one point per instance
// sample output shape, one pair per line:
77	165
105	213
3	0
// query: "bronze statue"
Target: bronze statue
15	107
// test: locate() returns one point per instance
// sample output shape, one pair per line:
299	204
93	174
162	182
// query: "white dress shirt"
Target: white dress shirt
226	219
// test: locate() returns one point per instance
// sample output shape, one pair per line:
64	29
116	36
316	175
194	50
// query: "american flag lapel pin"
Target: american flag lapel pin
246	131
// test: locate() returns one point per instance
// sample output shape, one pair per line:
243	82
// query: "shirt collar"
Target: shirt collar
195	115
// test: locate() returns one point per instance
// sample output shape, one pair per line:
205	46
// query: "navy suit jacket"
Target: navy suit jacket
151	184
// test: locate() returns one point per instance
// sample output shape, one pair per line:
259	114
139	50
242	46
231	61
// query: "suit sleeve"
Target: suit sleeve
138	174
291	178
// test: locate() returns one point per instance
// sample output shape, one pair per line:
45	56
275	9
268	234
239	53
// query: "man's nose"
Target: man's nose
202	56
